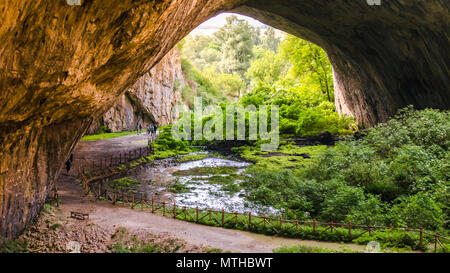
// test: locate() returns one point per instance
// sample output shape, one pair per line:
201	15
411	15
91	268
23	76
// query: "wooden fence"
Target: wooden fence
99	165
273	225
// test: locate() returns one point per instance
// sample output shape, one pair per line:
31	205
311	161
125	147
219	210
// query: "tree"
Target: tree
266	68
236	38
309	61
201	50
270	41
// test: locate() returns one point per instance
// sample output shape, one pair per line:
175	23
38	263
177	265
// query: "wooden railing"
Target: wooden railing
123	157
274	225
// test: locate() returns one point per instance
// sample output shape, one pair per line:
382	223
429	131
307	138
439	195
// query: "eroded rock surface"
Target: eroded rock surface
152	99
62	66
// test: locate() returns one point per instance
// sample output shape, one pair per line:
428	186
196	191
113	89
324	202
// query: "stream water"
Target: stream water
199	186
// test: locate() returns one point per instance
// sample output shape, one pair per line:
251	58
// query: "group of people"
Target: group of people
151	130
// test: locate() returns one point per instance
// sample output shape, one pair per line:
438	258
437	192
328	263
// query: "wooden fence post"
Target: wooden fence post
153	205
350	231
235	219
174	209
281	222
132	200
435	242
249	220
164	208
114	197
264	222
421	237
196	214
331	226
223	217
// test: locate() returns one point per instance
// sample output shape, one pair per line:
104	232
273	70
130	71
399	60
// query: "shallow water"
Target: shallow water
201	193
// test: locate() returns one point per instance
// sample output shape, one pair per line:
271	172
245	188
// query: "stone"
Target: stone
151	100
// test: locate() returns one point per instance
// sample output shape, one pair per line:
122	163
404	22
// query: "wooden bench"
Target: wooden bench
79	215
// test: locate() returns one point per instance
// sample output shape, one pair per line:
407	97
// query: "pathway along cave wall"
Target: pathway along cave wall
63	66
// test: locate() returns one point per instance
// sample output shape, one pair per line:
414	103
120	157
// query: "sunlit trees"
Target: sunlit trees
309	63
236	38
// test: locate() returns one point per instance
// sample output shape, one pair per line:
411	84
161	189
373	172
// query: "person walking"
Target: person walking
69	163
139	128
155	130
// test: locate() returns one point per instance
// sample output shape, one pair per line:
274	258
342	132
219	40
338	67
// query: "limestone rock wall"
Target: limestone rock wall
152	99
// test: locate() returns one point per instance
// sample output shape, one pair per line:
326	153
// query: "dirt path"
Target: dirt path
86	151
107	216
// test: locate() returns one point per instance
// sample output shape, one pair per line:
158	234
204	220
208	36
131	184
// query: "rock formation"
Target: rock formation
151	100
62	66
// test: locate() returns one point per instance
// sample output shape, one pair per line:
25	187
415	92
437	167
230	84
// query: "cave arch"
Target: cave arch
63	65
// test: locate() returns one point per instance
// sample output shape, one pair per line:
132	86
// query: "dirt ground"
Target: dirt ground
95	233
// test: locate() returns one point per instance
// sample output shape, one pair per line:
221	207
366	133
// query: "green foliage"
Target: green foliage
397	173
302	112
309	63
195	157
236	39
204	87
266	67
232	85
206	171
309	249
123	243
419	210
108	135
177	187
124	184
270	41
14	246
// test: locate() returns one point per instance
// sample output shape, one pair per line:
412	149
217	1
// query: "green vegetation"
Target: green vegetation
195	157
124	243
310	249
124	184
263	70
206	171
14	246
108	135
397	173
393	239
177	187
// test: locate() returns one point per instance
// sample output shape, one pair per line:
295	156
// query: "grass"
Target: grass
206	171
108	135
123	243
187	158
177	187
289	160
125	184
310	249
